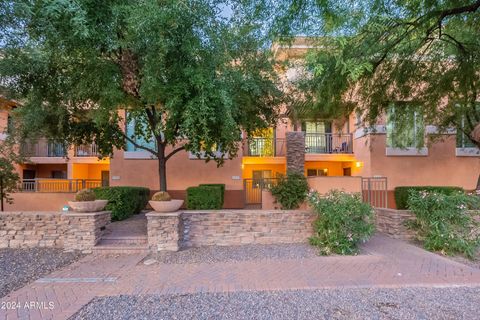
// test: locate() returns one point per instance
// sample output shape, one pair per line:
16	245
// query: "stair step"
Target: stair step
123	241
117	249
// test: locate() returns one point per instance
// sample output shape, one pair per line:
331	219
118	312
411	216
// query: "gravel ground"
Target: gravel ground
406	303
213	254
22	266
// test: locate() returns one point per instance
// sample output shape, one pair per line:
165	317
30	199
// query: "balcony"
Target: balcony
89	150
43	148
58	185
265	147
328	143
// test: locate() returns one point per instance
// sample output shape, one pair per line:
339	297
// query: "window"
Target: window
317	172
405	126
129	131
462	140
262	143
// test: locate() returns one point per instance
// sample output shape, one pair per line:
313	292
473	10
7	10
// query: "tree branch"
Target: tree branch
138	145
174	152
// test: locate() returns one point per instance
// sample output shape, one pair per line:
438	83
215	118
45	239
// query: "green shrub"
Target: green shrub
291	191
402	193
85	195
123	201
161	196
219	185
443	222
204	198
343	221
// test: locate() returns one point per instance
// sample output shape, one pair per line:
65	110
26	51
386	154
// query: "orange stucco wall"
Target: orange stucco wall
182	172
325	184
31	201
275	168
89	171
440	167
44	170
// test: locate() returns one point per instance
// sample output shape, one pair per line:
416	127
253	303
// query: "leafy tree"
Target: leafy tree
9	177
379	51
188	77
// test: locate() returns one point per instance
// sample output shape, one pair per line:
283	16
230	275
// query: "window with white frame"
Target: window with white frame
405	126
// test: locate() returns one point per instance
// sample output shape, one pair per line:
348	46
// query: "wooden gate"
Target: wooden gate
253	190
375	191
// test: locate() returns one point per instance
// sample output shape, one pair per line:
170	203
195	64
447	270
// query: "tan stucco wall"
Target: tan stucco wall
182	172
325	184
440	167
31	201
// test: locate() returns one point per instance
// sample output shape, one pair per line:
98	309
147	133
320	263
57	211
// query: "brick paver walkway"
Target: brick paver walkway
388	263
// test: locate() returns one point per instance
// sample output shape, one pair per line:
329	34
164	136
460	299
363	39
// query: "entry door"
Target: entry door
105	178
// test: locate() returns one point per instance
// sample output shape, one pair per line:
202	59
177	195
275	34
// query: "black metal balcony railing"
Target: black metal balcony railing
89	150
265	147
328	143
44	148
58	185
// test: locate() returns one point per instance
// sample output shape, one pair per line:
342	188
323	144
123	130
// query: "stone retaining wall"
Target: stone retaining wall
227	227
31	229
392	222
72	231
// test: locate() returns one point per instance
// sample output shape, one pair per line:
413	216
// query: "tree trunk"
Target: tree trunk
162	168
1	191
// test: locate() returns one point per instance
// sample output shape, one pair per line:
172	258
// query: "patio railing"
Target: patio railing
58	185
265	147
328	143
88	150
43	148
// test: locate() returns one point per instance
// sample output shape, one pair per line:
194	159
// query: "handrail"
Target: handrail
323	143
265	147
57	185
89	150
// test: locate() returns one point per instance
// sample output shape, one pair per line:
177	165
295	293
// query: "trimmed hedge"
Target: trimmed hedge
204	198
402	193
123	202
219	185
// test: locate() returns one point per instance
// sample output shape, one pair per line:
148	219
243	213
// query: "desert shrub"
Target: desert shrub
123	202
218	185
343	221
85	195
161	196
290	191
402	193
204	198
443	221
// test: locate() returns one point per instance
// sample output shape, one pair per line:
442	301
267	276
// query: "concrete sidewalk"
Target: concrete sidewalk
386	263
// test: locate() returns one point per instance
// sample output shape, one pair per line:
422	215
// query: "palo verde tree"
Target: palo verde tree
179	74
370	53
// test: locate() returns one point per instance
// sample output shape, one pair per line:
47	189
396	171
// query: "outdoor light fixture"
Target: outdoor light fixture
358	164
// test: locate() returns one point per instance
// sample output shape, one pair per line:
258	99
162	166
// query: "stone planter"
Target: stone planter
88	206
166	206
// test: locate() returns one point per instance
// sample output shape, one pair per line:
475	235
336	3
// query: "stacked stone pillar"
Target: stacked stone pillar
84	230
295	152
164	230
